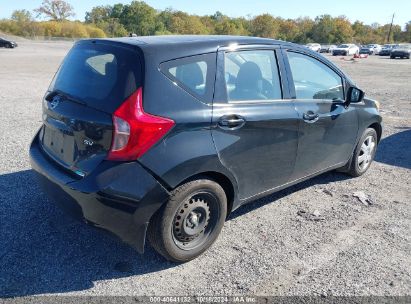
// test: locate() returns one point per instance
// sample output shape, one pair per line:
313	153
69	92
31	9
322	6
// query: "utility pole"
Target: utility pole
389	32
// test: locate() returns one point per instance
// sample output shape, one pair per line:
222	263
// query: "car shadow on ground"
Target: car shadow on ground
44	251
395	150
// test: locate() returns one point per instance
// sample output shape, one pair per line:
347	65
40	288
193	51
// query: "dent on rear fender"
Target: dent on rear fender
181	155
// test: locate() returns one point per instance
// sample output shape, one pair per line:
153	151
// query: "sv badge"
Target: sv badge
88	142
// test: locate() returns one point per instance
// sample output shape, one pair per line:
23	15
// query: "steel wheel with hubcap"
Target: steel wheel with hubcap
363	154
191	220
366	153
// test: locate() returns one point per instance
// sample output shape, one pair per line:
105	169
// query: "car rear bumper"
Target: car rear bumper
337	53
368	52
117	197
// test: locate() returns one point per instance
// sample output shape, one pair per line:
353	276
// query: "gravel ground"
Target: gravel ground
315	238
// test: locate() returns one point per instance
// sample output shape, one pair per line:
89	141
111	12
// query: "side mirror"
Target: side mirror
354	95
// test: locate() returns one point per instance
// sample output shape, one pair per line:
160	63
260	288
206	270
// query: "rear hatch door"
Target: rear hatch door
95	78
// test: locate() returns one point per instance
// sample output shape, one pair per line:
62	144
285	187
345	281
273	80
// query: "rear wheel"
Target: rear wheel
190	222
364	153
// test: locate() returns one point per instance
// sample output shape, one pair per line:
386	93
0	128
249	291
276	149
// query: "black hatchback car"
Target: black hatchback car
7	43
166	136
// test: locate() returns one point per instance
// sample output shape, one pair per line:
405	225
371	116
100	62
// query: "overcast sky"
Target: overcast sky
368	11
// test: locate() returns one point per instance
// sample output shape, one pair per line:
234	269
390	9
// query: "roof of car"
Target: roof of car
159	49
217	40
163	48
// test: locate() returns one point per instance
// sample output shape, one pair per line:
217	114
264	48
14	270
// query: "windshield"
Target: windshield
343	46
100	76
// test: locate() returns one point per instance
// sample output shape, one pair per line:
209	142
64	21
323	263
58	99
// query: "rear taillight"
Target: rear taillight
135	131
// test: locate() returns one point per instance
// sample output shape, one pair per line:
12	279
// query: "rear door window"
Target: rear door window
252	75
194	74
102	76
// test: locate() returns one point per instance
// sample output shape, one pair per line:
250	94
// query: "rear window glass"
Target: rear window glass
194	74
102	76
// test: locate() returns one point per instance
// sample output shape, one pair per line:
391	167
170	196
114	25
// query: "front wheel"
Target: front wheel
364	153
190	222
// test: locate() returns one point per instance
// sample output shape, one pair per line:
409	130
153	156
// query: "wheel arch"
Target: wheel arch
378	128
221	179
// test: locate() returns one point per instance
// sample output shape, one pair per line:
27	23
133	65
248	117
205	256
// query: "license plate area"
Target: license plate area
59	145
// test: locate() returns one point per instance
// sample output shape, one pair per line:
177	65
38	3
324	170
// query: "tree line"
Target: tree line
141	19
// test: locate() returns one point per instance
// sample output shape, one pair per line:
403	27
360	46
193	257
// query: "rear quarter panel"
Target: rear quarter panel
188	149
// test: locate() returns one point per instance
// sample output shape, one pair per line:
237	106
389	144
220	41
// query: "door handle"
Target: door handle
310	117
231	122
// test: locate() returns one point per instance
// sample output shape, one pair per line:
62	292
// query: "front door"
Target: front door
327	129
255	124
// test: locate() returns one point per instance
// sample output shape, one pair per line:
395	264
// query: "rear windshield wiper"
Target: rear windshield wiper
67	96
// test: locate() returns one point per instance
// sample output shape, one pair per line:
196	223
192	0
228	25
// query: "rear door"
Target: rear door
327	129
93	80
254	125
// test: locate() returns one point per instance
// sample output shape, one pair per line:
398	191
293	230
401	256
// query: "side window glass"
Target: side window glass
252	75
194	74
313	79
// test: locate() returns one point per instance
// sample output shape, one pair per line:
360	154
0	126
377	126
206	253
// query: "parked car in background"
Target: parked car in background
386	49
327	48
371	49
402	51
346	49
7	43
366	50
316	47
165	136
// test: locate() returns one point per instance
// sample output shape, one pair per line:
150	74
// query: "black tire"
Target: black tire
357	167
392	57
171	231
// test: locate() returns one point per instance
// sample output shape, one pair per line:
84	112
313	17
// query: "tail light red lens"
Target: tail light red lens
135	131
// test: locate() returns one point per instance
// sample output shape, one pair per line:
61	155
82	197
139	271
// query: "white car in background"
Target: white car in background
316	47
346	49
